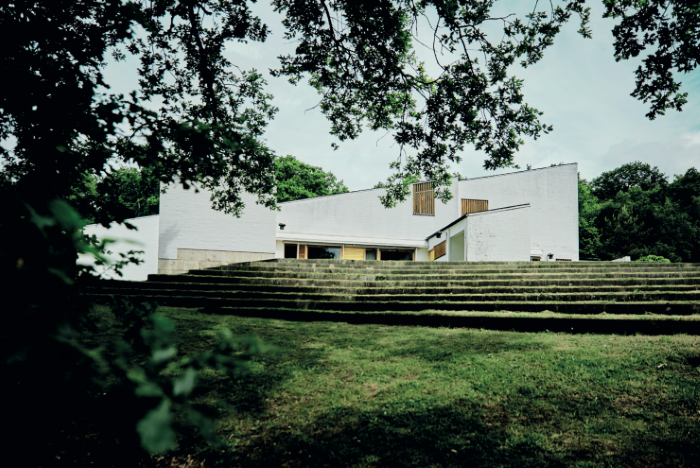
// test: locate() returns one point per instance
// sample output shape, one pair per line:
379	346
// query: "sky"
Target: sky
578	85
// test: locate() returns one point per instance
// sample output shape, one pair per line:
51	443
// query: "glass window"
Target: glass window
371	254
318	252
290	251
401	255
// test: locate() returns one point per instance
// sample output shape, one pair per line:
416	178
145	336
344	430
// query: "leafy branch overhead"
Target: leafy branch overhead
197	117
361	57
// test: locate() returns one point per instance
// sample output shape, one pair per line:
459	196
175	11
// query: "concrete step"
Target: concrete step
598	324
435	276
438	284
580	307
152	285
451	265
262	270
482	267
429	297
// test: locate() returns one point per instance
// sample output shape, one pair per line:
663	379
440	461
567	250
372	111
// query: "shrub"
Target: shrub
653	258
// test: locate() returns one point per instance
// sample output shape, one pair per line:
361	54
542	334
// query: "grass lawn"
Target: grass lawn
337	395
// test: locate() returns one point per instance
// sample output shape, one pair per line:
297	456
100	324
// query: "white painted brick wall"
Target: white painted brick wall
187	221
145	238
552	193
361	215
279	249
499	236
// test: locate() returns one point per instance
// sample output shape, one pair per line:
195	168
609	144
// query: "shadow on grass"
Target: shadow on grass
447	436
463	345
439	436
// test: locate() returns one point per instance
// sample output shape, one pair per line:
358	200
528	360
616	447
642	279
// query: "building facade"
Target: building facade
520	216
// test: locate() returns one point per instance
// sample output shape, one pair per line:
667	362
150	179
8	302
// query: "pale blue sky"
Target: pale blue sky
578	85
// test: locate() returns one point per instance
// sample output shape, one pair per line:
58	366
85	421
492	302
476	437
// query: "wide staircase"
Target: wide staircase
428	293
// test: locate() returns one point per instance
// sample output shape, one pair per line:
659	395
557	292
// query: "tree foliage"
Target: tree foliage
634	210
588	210
621	179
671	29
135	192
297	180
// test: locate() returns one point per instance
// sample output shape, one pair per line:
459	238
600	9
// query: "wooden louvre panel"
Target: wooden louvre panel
438	251
302	251
423	199
354	253
474	206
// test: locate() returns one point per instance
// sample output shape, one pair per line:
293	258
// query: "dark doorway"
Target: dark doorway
400	255
290	251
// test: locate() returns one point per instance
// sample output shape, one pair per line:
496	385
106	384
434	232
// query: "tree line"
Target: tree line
637	210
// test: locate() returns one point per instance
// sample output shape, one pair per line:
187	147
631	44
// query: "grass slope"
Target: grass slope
336	395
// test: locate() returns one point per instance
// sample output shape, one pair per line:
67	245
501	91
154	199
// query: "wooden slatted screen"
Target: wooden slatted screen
438	251
474	206
302	251
354	253
423	199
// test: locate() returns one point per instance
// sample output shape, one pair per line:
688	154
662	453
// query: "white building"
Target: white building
521	216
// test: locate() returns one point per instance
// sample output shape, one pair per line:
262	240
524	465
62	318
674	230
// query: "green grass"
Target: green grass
368	396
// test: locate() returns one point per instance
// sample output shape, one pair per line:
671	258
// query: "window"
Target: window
423	199
400	255
474	206
290	251
371	254
320	252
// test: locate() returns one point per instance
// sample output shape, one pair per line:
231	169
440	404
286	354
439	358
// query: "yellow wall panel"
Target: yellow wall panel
354	253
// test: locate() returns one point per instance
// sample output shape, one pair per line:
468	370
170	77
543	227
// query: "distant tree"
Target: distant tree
639	213
686	188
588	211
640	223
635	174
129	192
138	190
297	180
